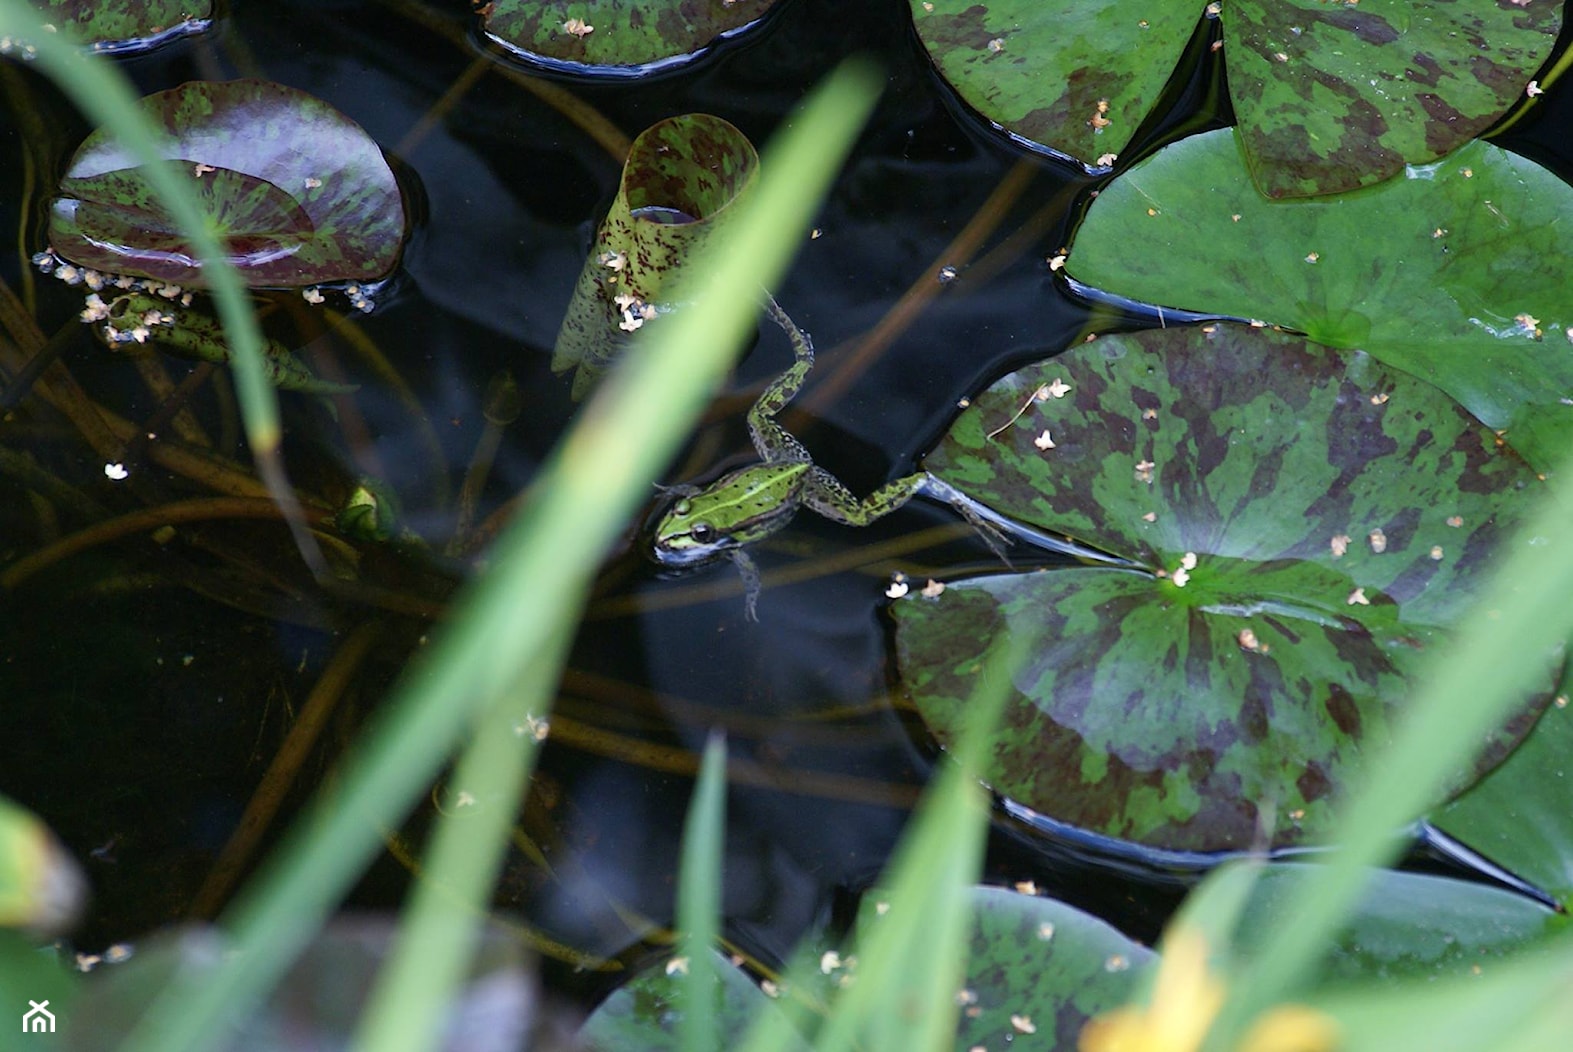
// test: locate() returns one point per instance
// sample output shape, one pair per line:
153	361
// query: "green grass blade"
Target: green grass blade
588	489
699	901
912	964
442	923
101	91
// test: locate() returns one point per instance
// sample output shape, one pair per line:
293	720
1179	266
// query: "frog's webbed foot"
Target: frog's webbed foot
967	508
750	574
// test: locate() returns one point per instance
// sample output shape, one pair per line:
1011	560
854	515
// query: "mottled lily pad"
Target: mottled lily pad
1329	96
125	26
616	37
644	1013
296	190
680	184
1037	970
1303	525
1078	78
1459	272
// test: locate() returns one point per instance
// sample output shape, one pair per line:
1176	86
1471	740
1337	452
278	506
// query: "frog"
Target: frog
745	506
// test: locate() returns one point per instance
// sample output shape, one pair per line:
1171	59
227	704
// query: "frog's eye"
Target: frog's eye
682	507
701	532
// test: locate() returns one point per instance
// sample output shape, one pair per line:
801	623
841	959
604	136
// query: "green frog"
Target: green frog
744	506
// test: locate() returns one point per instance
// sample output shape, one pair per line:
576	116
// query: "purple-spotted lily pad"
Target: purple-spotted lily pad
1458	272
1037	970
616	37
645	1012
1304	526
299	193
1078	78
125	26
1329	95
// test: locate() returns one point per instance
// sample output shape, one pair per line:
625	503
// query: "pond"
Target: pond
147	684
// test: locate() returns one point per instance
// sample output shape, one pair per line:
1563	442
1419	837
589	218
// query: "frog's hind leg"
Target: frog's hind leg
747	569
939	489
827	495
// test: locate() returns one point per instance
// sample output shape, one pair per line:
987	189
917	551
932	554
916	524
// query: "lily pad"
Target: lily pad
320	1001
1038	967
1459	272
125	26
1520	816
644	1013
618	37
1302	525
296	190
1078	78
680	183
1329	96
1406	925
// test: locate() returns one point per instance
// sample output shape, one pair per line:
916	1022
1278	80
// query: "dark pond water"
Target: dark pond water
144	689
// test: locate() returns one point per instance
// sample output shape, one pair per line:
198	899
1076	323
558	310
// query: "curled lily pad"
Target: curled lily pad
1302	526
1329	96
615	36
125	26
299	193
679	185
1459	272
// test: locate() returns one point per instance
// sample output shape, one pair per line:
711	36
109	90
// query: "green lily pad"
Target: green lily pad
1520	816
681	180
1078	78
125	26
1303	525
1329	96
296	190
1458	272
1406	926
1333	96
615	36
644	1013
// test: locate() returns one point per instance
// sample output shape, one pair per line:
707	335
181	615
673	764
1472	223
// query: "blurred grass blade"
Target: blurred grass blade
699	901
909	970
1472	686
442	924
587	490
101	91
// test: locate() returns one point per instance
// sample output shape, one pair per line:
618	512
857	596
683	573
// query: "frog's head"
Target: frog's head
686	533
737	509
